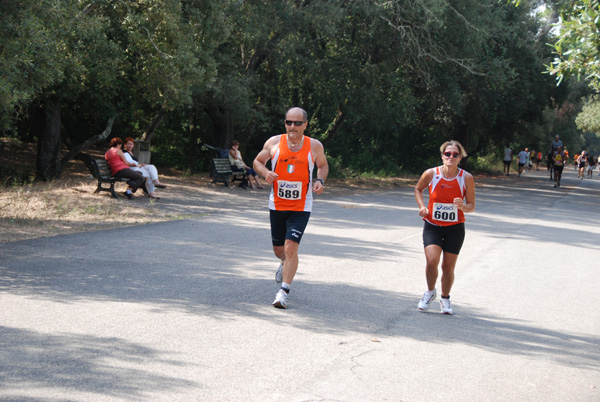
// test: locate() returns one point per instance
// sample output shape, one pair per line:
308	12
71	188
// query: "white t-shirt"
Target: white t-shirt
507	154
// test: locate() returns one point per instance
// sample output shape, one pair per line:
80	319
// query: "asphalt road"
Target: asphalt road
181	311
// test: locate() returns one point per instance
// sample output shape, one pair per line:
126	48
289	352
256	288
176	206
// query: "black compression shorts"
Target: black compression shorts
449	238
287	225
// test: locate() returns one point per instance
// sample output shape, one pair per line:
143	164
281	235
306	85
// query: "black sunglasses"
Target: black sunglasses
454	155
295	123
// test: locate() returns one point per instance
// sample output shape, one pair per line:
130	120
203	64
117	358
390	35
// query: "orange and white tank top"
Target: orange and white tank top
292	191
442	192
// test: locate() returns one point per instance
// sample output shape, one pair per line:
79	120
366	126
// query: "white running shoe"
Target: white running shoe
281	299
279	273
427	298
446	306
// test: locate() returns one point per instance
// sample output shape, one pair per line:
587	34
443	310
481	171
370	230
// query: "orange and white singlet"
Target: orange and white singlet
292	191
442	192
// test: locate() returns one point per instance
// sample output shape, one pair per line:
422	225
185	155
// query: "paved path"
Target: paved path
181	311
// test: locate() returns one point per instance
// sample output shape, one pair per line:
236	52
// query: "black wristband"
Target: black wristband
321	180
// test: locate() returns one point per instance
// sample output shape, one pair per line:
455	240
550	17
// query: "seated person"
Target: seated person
148	171
119	167
238	165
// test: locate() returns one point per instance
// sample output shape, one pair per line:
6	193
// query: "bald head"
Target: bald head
297	111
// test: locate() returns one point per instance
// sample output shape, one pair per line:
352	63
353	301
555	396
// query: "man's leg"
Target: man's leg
290	265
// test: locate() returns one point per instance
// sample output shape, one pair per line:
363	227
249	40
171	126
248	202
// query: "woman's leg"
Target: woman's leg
153	173
448	264
432	260
147	178
136	179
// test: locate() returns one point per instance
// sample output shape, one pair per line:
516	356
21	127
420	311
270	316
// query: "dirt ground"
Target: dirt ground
69	205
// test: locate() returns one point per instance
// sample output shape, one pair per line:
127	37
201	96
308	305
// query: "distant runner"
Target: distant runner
558	161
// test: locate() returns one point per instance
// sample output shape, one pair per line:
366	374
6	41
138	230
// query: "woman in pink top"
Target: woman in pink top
119	167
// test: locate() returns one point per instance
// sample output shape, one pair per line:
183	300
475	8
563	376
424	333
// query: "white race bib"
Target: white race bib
445	212
289	190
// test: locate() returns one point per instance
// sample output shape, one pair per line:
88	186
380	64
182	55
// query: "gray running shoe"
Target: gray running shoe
446	306
279	273
281	299
427	298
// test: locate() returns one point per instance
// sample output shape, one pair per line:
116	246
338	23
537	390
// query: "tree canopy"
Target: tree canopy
384	82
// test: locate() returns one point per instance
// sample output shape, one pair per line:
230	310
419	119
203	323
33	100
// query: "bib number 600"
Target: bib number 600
444	216
445	212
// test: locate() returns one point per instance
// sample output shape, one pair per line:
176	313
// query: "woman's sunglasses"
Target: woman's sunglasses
451	154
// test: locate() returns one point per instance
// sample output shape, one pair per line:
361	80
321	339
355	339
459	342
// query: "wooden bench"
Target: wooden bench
101	171
222	173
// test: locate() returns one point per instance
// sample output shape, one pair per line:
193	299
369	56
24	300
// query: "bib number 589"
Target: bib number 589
289	190
289	194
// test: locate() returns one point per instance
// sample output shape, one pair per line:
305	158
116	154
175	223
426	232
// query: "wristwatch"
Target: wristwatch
321	180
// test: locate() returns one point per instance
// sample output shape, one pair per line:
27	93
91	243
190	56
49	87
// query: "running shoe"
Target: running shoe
446	306
281	299
279	273
427	298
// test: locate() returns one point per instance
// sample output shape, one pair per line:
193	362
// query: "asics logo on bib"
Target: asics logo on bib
442	207
289	185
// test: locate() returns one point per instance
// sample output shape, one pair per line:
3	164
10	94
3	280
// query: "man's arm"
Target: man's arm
260	162
322	166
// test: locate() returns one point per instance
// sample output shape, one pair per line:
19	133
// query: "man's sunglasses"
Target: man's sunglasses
295	123
451	154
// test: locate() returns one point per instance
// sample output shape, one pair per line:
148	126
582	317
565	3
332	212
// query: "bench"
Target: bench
222	173
101	171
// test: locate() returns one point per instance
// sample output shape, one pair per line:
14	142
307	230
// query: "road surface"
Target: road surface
181	311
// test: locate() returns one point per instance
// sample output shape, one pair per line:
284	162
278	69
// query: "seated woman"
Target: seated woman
148	171
238	165
119	167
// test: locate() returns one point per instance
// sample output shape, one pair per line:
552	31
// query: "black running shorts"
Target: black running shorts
449	238
287	225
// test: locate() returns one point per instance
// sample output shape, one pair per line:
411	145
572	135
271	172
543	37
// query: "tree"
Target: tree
577	48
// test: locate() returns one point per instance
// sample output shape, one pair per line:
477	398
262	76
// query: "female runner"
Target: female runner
451	194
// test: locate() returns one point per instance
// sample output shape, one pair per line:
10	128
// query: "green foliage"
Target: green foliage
577	51
384	82
589	118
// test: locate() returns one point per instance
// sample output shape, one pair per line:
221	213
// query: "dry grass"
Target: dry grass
69	205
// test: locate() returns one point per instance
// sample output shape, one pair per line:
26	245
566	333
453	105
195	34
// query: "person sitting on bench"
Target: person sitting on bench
238	165
149	172
119	167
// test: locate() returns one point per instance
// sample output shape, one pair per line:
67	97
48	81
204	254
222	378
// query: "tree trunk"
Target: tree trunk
147	136
48	165
223	123
192	149
78	149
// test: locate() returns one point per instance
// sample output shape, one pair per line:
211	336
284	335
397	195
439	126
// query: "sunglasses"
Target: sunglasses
451	154
295	123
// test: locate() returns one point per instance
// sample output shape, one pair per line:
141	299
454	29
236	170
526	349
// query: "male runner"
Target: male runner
293	158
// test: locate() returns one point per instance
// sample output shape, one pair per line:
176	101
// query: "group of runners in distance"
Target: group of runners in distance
294	156
556	160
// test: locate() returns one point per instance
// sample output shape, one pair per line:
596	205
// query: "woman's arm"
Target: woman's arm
130	163
423	183
468	204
